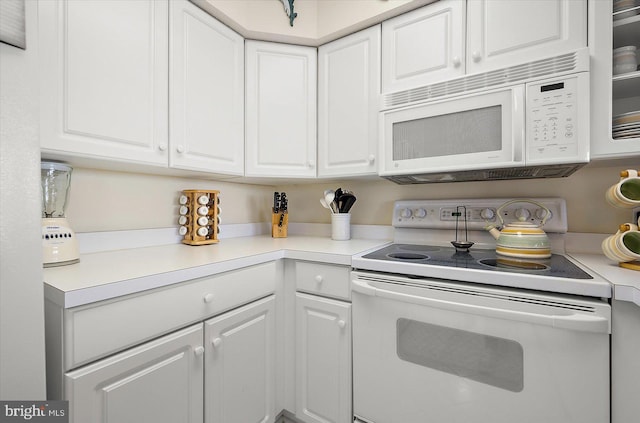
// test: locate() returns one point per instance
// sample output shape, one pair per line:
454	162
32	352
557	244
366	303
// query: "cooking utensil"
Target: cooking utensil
346	202
521	239
325	205
329	197
459	244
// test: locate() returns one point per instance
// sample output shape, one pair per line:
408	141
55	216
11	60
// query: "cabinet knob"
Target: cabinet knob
342	324
162	147
208	298
216	342
476	56
318	278
372	158
180	148
456	61
310	164
199	350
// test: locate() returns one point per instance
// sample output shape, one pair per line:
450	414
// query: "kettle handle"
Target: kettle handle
508	203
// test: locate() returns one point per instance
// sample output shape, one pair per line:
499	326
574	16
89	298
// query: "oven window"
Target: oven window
469	131
486	359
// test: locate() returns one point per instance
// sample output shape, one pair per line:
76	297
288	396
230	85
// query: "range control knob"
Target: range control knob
540	214
487	214
522	214
406	213
420	213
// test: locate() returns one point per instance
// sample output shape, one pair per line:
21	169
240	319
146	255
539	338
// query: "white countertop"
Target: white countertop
625	282
110	274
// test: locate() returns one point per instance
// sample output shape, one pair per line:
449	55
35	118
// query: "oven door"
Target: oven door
433	351
477	131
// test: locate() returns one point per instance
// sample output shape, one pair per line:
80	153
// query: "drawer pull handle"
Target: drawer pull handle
318	278
208	298
198	351
216	342
342	324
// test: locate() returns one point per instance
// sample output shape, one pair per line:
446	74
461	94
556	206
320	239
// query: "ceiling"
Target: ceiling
317	22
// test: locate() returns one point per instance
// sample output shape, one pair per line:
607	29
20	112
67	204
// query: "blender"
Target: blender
59	244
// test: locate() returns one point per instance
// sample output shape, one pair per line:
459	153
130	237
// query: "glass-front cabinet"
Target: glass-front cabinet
614	40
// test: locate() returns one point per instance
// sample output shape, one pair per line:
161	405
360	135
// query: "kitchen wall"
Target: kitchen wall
587	209
318	21
105	201
102	200
22	360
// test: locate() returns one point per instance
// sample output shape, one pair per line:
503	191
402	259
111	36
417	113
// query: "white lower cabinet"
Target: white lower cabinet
156	382
240	365
323	360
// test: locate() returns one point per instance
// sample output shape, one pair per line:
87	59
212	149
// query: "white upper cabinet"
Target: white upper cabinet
423	46
348	90
615	98
104	79
206	92
280	117
502	33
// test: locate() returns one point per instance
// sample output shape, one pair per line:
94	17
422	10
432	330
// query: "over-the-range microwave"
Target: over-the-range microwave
535	127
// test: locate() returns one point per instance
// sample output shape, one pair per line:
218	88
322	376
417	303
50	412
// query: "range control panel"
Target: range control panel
442	214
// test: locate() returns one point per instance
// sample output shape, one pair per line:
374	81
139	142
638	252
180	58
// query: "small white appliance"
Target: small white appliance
510	123
59	243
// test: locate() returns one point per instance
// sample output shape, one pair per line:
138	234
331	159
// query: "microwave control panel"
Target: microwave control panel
557	124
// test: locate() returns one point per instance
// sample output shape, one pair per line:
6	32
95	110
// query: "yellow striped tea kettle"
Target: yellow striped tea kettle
521	239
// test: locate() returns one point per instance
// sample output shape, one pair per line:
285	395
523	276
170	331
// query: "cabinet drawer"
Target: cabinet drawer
94	331
323	279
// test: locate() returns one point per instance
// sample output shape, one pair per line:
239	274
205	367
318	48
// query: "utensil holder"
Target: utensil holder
279	224
341	226
199	217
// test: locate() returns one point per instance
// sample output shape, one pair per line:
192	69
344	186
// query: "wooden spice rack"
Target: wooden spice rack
199	216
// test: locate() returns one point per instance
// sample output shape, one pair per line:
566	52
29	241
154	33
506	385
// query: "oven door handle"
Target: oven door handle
576	321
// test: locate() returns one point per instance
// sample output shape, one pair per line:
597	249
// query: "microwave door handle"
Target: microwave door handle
576	321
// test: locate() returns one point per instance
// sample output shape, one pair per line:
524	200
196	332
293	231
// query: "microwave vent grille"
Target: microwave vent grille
532	172
563	63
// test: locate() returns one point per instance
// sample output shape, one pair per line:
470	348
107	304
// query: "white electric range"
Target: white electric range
456	335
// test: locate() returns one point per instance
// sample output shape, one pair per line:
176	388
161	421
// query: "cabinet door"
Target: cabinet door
104	79
206	92
614	98
157	382
240	363
280	110
502	33
323	360
423	46
349	86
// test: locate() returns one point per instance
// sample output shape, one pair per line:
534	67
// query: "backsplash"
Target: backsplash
110	201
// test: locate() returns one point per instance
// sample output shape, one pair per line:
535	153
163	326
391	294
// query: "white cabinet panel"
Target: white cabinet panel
502	33
104	79
206	93
323	360
280	110
240	363
157	382
423	46
612	95
348	90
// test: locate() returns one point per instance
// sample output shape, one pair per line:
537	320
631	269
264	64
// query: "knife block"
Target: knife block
199	216
279	230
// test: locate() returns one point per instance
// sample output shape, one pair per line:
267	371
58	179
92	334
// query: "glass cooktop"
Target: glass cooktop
556	265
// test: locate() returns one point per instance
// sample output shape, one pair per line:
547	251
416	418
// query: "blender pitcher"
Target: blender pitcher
59	244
